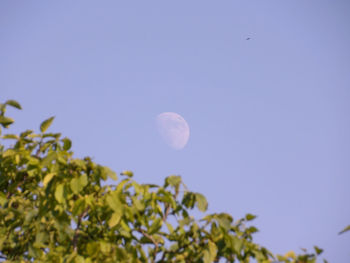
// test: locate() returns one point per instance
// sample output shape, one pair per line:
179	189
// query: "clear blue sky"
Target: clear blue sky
269	116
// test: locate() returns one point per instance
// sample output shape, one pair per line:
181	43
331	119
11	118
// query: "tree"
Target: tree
56	208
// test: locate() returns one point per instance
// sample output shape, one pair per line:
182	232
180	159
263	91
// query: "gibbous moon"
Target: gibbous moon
173	129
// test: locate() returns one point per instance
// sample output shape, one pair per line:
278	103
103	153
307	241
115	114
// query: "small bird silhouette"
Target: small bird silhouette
248	38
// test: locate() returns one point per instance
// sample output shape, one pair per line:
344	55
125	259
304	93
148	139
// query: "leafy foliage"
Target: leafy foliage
55	208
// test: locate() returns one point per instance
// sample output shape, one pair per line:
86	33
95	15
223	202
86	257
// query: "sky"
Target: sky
269	116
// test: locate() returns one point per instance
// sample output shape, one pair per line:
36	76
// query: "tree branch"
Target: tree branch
37	154
166	213
76	233
152	240
167	206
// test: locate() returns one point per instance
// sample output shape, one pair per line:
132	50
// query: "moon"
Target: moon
173	129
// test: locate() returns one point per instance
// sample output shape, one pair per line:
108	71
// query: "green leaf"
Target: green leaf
10	136
52	135
105	247
345	230
14	104
48	178
202	203
212	250
206	257
26	133
250	217
5	121
30	215
127	173
67	144
46	124
83	180
125	229
114	203
318	250
281	258
3	199
40	238
173	180
252	230
224	221
79	207
78	184
79	259
111	174
92	248
170	227
138	204
115	219
75	185
9	152
59	193
189	199
121	254
157	224
290	254
237	244
49	158
80	163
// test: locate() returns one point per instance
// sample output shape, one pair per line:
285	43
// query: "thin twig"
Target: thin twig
166	213
76	233
152	240
148	236
38	151
167	206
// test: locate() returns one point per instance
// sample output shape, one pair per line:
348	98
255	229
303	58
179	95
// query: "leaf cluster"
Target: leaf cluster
56	208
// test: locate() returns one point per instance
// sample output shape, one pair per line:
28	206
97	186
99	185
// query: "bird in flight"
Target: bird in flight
248	38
